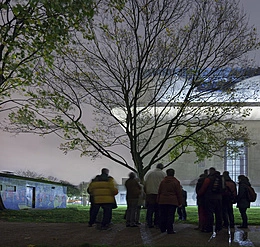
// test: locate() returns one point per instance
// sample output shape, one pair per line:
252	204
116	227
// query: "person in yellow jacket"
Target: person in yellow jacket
102	190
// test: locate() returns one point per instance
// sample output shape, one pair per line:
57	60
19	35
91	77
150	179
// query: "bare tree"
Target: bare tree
32	174
162	70
29	174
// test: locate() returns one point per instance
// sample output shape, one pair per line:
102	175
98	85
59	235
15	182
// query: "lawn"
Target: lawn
80	214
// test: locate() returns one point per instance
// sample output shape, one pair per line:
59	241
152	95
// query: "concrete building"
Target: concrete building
17	192
245	161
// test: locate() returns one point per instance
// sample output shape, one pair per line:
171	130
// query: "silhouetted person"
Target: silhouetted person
169	199
151	186
202	214
103	189
141	203
228	198
242	200
213	201
133	191
182	210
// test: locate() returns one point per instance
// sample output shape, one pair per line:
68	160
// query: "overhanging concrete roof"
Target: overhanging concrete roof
246	91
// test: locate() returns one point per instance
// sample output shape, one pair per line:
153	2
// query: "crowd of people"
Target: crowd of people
216	206
162	195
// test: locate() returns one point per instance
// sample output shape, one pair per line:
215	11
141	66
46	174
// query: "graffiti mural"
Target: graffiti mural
19	193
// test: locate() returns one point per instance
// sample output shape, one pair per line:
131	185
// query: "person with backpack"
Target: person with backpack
228	199
243	202
211	189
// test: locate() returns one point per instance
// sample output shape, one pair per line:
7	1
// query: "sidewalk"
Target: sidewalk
24	234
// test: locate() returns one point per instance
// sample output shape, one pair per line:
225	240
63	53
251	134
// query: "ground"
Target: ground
79	234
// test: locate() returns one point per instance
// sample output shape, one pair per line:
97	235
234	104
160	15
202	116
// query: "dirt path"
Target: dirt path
77	234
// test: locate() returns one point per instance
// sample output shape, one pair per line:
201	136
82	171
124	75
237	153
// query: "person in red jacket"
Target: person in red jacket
169	199
213	202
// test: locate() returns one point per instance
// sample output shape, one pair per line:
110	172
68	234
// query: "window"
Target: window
236	158
10	188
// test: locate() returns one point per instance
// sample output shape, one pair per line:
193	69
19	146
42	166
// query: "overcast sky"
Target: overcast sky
41	155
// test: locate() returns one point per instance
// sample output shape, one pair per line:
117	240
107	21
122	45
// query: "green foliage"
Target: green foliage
33	30
72	190
206	142
117	4
23	116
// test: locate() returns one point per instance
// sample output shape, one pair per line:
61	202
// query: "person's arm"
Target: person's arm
235	189
179	193
204	187
185	198
113	187
159	193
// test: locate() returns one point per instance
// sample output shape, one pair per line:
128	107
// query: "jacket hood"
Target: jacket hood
244	182
168	179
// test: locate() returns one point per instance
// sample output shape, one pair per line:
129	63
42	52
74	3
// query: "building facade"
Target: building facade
245	160
17	192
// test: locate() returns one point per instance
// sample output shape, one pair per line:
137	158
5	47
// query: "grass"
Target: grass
80	214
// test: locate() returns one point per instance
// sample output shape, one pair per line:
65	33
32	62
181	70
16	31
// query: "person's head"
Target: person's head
212	170
132	175
242	178
159	166
206	171
226	175
170	172
105	171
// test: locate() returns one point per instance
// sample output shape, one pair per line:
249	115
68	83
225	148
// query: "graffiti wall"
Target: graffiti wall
25	193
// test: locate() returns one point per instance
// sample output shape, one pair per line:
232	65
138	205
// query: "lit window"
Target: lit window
236	158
